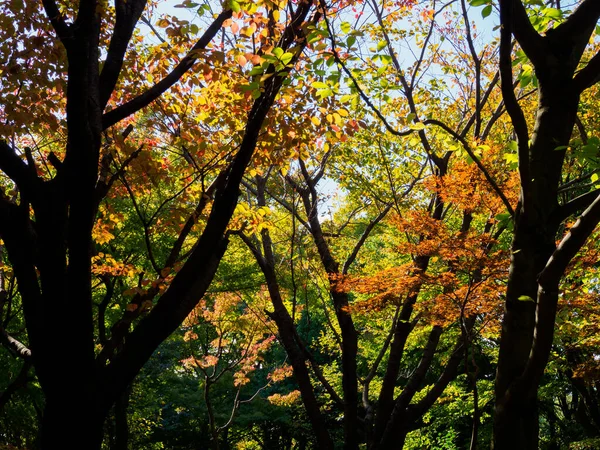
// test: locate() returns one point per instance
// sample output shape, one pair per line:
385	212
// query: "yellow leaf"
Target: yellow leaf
315	120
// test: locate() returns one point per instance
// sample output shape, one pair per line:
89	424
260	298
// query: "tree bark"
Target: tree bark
286	328
121	423
530	307
72	424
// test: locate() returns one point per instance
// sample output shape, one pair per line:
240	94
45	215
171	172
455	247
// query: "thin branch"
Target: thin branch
589	75
361	92
568	185
481	167
15	346
477	63
575	205
193	218
103	186
363	238
484	99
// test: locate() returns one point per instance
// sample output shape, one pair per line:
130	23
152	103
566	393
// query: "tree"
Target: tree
564	70
79	54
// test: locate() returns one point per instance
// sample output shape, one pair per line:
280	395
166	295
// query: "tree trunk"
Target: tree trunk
121	425
70	423
536	268
516	418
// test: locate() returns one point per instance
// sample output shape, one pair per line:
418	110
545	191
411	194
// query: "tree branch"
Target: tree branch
481	167
548	281
128	13
514	20
119	113
63	31
16	169
575	205
507	17
572	242
589	75
16	347
20	381
364	237
193	279
577	29
103	186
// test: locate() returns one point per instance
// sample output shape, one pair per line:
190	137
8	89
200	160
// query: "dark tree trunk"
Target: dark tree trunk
121	423
51	251
71	424
537	265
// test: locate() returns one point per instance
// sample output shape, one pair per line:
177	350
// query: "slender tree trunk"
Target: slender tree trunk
287	335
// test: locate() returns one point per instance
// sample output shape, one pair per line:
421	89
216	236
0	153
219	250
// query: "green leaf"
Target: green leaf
385	59
486	11
381	45
324	93
478	2
257	70
250	87
235	6
286	57
345	27
319	85
525	298
313	36
553	13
